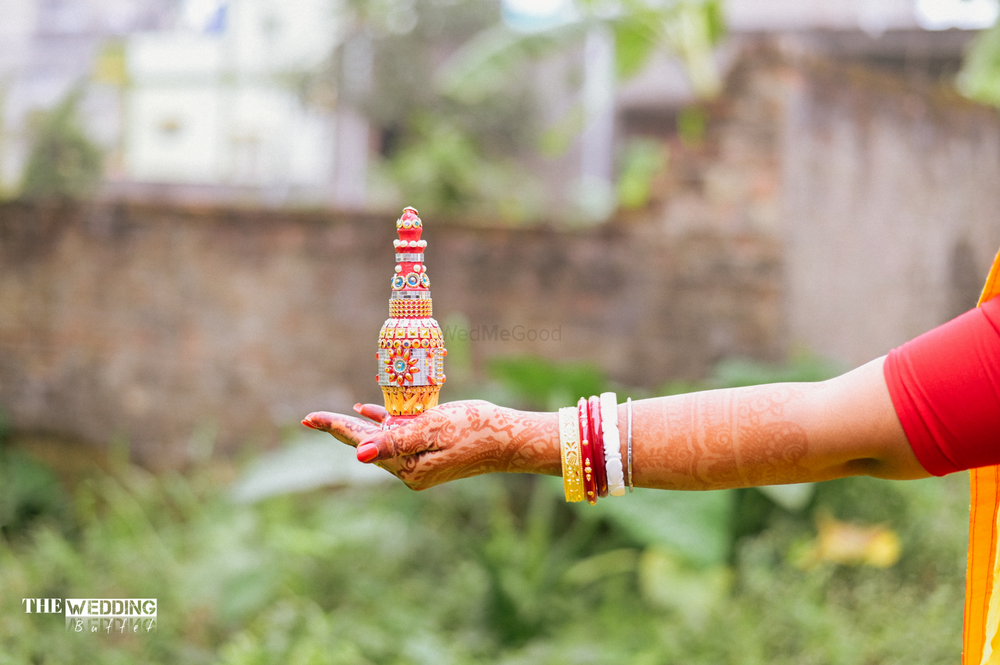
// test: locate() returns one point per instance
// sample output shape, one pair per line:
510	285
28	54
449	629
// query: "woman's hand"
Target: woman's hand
451	441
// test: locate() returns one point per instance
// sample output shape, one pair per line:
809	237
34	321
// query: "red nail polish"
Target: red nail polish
367	452
357	407
308	423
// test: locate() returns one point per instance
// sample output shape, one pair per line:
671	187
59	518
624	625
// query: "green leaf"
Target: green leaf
311	462
63	160
558	138
979	78
691	32
542	383
634	43
641	161
716	18
486	63
667	583
792	498
694	525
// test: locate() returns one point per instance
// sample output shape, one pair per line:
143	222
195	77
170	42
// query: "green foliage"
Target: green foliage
692	124
454	131
694	527
31	494
63	161
544	385
979	78
441	168
641	162
739	372
495	569
492	569
492	60
803	367
4	428
497	58
439	153
688	29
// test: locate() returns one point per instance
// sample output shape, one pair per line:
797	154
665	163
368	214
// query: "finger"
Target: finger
407	439
373	411
348	429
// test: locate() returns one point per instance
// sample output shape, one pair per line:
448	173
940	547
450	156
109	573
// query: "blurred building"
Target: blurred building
213	102
48	47
201	98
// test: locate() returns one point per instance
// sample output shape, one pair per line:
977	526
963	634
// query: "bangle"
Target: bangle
628	407
569	447
597	444
587	453
612	444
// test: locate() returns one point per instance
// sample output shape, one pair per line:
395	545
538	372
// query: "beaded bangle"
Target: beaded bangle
628	404
612	444
569	448
597	443
587	453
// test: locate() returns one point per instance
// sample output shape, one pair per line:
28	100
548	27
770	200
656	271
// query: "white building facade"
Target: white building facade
214	102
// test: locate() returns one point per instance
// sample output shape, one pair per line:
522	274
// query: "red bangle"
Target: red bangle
597	443
587	453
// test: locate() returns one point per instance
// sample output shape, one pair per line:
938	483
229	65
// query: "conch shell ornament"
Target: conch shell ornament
410	345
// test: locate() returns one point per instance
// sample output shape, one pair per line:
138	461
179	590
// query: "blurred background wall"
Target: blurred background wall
158	324
195	241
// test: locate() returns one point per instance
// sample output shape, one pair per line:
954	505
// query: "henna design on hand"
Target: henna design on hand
476	437
455	440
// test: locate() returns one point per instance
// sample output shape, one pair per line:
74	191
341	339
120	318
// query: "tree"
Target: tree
448	84
979	78
63	161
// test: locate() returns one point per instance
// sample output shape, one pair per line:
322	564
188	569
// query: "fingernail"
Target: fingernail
308	423
367	452
357	407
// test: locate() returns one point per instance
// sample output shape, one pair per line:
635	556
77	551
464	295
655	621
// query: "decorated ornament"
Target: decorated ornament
410	345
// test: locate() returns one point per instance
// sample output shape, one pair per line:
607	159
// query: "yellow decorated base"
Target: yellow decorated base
410	400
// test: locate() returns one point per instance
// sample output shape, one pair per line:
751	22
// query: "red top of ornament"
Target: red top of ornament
411	274
409	225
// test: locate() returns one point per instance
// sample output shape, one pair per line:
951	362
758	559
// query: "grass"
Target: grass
495	570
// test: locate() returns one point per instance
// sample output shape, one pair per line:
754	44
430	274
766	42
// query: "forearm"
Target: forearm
726	438
761	435
706	440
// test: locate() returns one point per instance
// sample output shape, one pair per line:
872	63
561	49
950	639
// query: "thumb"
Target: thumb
396	442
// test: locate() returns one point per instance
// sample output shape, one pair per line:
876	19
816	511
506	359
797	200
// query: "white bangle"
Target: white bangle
612	444
628	406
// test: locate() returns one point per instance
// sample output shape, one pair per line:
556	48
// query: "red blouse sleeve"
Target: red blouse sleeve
945	387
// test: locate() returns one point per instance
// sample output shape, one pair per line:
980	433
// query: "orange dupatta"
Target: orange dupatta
981	639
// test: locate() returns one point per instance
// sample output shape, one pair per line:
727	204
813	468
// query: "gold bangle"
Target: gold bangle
569	446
